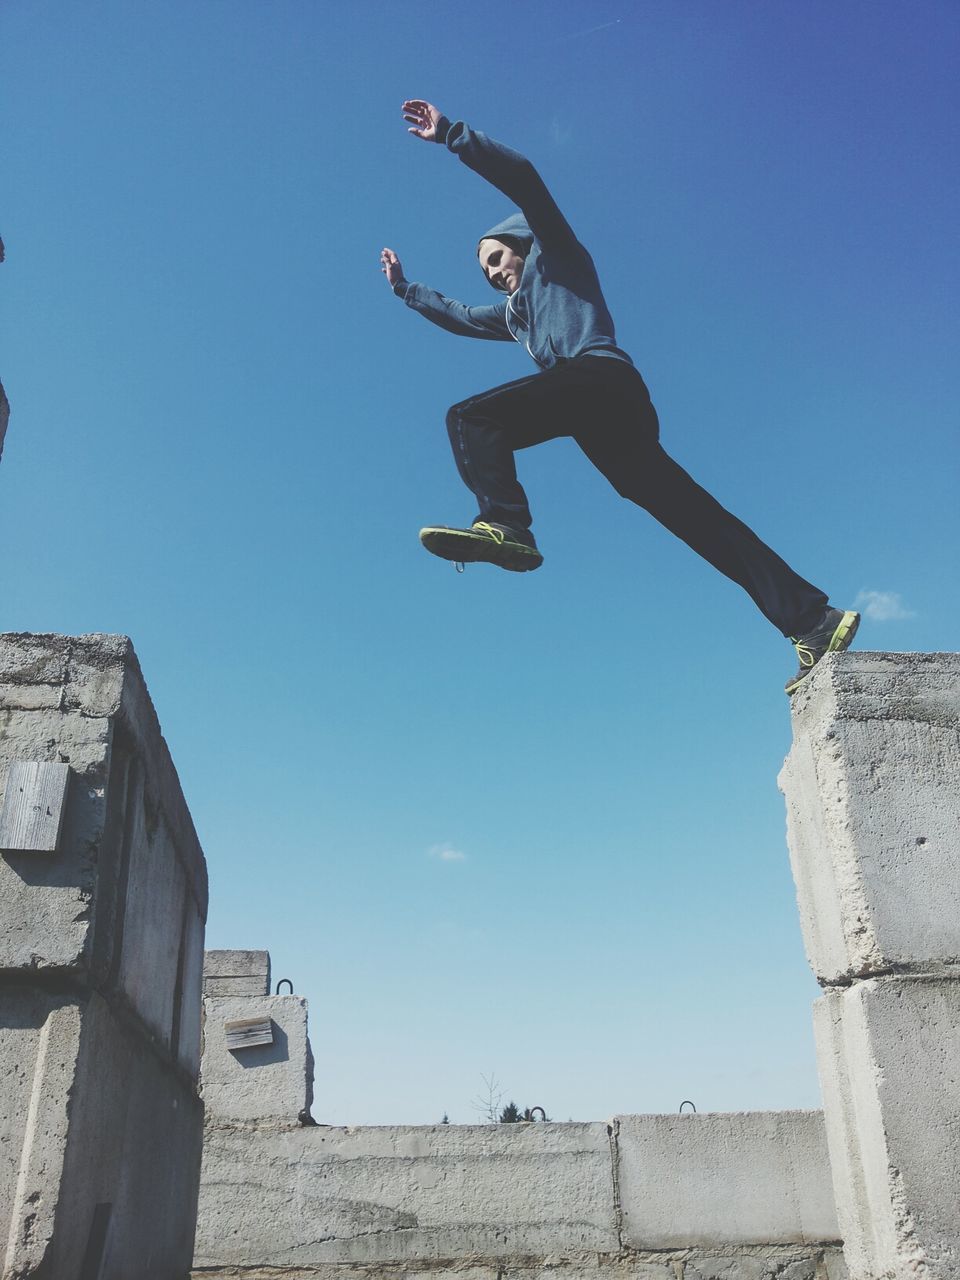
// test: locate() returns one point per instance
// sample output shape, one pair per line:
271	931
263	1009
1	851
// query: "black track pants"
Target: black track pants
605	406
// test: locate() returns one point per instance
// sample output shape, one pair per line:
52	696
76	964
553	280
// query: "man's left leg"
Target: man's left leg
626	450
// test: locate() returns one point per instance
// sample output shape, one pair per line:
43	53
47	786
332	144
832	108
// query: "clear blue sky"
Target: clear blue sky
492	823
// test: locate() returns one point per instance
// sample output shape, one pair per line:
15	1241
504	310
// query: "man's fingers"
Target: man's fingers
416	109
422	118
390	264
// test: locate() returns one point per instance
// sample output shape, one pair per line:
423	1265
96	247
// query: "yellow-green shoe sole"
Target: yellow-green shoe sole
466	547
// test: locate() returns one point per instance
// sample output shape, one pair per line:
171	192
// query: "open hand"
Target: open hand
423	118
390	266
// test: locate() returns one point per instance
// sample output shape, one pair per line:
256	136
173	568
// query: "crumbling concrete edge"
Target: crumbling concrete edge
52	1098
613	1133
778	1257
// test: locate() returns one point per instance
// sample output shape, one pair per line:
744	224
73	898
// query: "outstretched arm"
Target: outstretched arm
507	170
469	322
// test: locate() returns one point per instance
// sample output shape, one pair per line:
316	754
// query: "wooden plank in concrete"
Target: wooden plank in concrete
34	802
244	1033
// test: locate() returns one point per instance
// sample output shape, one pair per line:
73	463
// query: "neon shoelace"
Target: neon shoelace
805	654
496	534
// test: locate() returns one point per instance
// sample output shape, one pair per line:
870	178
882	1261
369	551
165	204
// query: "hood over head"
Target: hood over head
514	231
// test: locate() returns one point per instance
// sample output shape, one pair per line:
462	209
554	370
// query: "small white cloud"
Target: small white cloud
447	853
883	606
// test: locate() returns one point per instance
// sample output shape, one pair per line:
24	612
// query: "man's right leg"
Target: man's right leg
484	433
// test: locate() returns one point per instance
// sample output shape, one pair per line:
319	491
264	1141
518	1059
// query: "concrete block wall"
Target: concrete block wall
872	785
101	952
637	1197
742	1197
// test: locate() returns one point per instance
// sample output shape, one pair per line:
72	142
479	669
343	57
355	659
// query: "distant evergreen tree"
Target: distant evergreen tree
446	1119
511	1114
488	1105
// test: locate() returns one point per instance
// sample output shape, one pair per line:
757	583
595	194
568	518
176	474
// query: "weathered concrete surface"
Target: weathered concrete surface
101	954
236	973
311	1196
270	1082
728	1179
873	796
889	1057
872	785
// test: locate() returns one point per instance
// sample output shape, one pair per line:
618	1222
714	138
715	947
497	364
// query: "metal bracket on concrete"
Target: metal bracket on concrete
686	1103
244	1033
34	802
281	982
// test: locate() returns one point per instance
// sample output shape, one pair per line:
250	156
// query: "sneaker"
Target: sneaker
833	633
493	543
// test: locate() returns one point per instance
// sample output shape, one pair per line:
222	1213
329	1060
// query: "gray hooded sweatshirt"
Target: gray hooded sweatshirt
558	311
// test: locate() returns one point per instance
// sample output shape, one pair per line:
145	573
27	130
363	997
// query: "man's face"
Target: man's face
501	264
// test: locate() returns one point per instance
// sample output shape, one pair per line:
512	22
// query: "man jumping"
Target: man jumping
587	388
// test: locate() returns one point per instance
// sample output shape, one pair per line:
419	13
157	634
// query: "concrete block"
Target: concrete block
39	1047
134	1145
90	1121
128	878
726	1179
236	973
887	1050
267	1082
872	786
312	1196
